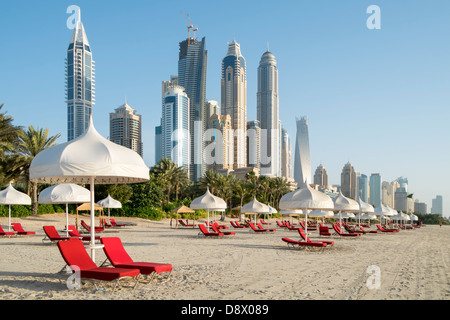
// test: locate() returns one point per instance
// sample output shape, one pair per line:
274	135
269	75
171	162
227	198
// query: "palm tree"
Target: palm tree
30	143
8	140
171	176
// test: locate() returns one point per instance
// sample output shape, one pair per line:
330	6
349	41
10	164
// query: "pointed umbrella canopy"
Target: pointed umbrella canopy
207	202
109	203
382	211
10	196
255	207
89	159
306	198
364	207
64	193
342	203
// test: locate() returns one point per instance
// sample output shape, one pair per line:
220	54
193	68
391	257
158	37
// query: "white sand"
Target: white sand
249	266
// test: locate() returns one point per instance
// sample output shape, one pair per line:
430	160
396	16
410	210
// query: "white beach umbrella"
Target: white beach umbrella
89	159
382	211
65	193
10	196
208	202
364	207
110	203
255	207
343	203
306	198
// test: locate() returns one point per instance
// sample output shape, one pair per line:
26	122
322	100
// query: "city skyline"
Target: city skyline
332	69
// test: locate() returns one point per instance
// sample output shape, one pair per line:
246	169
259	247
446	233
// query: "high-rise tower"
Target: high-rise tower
234	100
348	181
126	128
80	83
302	161
268	115
192	77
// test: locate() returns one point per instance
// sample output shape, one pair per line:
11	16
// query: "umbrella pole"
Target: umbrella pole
92	220
306	223
67	219
9	217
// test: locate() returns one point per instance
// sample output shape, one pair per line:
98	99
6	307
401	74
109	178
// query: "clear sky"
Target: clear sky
378	99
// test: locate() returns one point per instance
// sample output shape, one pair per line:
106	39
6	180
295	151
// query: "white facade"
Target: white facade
175	136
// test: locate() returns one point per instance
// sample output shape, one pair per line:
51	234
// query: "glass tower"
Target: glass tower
80	83
268	115
175	126
192	77
234	100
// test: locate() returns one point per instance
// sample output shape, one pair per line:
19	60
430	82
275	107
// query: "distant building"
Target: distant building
348	181
268	115
80	83
302	160
126	128
234	100
420	207
192	64
375	189
363	188
254	144
286	155
321	177
437	205
218	148
158	153
175	132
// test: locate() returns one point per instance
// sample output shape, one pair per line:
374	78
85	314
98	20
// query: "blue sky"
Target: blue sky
378	99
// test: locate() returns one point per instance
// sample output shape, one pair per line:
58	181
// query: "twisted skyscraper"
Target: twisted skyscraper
302	162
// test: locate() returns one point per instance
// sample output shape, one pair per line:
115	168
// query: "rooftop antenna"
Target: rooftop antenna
189	26
268	46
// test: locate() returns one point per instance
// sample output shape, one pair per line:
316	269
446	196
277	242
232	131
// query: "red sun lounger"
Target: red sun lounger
339	232
88	228
305	237
115	224
262	228
385	230
252	226
295	243
73	232
119	258
206	233
19	229
185	224
77	258
227	233
52	235
6	233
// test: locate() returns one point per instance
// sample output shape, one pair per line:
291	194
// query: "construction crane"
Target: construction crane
189	27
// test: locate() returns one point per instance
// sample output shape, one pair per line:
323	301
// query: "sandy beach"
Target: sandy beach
412	265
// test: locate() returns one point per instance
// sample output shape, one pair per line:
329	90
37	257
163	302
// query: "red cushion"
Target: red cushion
108	274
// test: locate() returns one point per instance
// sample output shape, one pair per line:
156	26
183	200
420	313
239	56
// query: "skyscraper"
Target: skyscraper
286	155
302	162
348	181
125	128
363	188
321	176
192	64
254	144
375	189
175	127
80	83
234	100
268	115
437	205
